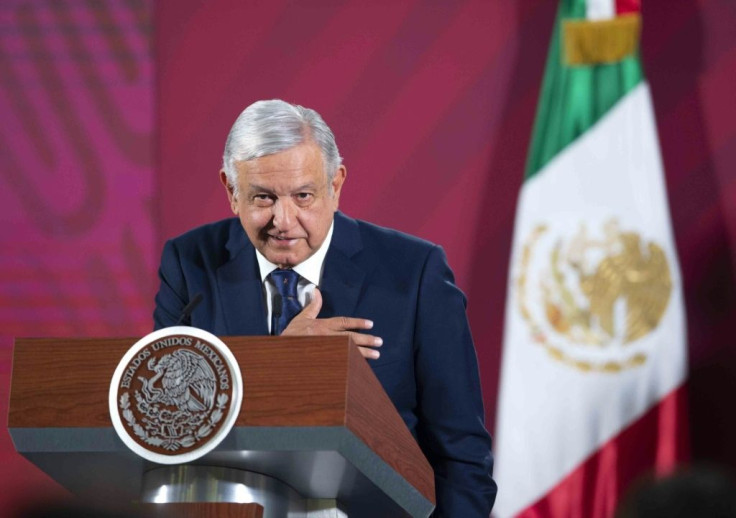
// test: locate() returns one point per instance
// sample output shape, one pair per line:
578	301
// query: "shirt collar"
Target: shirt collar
310	268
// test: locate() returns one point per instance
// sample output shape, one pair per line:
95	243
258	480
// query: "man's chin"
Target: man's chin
284	259
285	253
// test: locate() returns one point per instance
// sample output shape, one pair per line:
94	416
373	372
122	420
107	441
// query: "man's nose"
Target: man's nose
284	214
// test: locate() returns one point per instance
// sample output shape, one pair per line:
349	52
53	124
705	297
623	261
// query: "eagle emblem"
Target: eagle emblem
589	300
187	382
175	395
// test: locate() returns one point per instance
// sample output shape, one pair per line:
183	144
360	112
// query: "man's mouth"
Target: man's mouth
282	239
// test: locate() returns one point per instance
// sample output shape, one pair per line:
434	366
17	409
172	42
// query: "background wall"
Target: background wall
78	239
114	116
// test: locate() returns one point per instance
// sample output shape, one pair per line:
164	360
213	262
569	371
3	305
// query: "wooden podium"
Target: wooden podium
314	420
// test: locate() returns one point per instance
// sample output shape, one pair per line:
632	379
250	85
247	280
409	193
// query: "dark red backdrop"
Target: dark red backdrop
432	104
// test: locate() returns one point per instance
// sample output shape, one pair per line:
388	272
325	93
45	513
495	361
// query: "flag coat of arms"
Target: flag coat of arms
595	337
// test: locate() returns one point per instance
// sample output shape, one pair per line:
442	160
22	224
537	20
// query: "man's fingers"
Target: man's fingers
348	323
370	354
307	323
366	344
365	340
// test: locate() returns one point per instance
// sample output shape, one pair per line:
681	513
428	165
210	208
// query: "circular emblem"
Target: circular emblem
592	301
175	395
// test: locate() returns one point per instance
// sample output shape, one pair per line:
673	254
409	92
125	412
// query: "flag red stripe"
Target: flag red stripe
656	441
673	438
627	6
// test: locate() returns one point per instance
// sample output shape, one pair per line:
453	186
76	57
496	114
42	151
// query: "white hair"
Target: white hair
268	127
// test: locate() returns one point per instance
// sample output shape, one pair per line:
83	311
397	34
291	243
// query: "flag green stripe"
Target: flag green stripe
574	98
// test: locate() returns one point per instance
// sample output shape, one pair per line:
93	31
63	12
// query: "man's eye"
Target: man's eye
303	197
262	199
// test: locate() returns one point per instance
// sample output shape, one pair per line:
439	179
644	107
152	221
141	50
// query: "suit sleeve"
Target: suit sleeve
172	292
451	422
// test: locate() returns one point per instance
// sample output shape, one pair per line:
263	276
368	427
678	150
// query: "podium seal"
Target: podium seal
175	395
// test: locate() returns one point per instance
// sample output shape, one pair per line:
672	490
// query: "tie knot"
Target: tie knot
286	282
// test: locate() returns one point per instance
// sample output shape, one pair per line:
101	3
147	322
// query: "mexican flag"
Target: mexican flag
595	352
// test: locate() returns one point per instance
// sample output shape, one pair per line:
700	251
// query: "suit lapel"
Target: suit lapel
239	288
342	280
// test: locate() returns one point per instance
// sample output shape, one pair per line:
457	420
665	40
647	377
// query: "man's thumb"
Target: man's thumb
311	310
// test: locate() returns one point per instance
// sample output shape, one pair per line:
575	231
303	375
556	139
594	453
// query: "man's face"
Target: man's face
285	203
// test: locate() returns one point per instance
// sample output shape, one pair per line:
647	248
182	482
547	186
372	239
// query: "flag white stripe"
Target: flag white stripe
600	9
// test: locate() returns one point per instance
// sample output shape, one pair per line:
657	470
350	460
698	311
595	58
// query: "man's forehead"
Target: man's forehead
251	169
255	186
304	158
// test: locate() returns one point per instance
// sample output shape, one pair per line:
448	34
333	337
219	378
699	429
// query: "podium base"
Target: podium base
187	483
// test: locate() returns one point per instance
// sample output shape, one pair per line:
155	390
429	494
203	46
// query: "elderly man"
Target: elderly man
291	264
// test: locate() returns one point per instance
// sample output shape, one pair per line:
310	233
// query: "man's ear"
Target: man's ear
337	182
230	192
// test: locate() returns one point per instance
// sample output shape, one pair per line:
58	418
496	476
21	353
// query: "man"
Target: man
283	176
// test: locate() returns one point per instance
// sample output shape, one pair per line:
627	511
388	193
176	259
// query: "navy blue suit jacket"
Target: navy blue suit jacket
428	365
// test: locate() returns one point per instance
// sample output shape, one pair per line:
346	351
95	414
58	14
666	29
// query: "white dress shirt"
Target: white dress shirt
310	275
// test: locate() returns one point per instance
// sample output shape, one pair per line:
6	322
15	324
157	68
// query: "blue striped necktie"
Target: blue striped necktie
286	302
